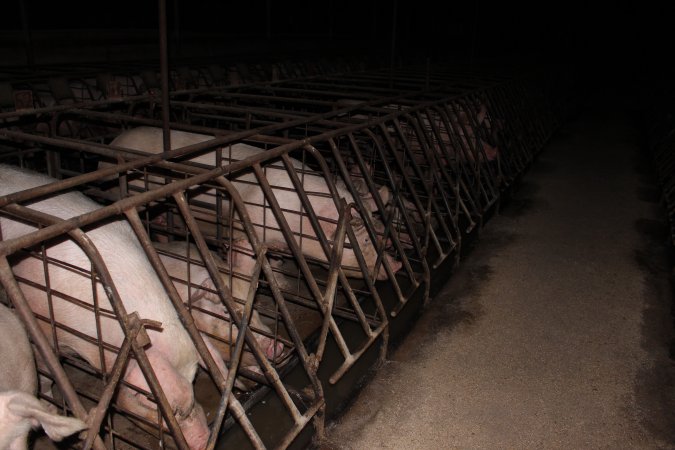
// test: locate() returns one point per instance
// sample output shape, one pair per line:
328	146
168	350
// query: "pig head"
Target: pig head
211	317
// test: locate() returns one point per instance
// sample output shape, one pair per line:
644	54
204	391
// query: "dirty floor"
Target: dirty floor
555	331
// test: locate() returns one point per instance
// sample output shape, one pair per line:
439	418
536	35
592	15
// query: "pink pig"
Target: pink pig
149	140
172	353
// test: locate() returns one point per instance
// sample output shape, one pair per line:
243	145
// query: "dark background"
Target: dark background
627	42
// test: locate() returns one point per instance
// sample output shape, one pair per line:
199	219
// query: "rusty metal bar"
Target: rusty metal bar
331	284
97	415
164	73
290	239
238	349
186	318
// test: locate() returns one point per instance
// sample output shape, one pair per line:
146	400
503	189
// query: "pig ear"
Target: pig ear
57	427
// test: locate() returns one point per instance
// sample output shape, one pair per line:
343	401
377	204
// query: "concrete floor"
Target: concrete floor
555	331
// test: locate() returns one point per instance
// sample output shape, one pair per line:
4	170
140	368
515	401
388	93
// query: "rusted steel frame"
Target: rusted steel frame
164	74
367	219
440	148
42	343
421	251
435	169
90	250
455	145
247	96
248	122
420	138
126	119
113	152
305	359
374	192
295	248
413	192
476	147
468	150
300	425
332	283
431	155
454	178
251	233
249	229
351	358
324	243
120	311
59	108
228	302
408	223
276	113
238	349
491	179
187	321
418	172
96	416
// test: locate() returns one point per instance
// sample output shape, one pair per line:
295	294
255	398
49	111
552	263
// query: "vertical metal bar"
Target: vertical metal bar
474	34
164	72
27	37
392	54
268	18
176	27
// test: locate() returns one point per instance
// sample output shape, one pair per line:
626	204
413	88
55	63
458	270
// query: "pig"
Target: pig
20	410
207	309
172	353
148	139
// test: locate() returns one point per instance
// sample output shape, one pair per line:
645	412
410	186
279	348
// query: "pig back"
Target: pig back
70	281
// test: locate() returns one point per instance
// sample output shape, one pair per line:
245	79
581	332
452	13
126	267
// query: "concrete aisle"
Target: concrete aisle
555	331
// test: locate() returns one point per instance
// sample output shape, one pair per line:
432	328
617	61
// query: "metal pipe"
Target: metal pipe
27	36
392	54
164	73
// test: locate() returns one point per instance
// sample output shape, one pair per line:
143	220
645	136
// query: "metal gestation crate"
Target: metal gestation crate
291	299
248	243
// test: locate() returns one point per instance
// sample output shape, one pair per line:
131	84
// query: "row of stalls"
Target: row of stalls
46	85
289	229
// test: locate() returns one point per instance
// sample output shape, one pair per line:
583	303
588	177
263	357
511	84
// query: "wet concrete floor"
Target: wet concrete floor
556	331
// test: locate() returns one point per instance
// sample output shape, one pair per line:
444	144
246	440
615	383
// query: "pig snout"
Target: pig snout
273	350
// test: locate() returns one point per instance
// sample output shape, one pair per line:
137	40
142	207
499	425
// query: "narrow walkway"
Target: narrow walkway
555	332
